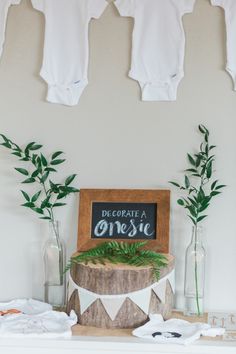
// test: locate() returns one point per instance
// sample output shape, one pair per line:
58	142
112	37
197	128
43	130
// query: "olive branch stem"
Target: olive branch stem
50	194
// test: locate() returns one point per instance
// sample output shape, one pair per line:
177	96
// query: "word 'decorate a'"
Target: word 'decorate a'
123	214
130	229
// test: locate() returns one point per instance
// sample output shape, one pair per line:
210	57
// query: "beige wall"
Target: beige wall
112	139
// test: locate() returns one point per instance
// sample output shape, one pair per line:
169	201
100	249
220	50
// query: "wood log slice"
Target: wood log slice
113	279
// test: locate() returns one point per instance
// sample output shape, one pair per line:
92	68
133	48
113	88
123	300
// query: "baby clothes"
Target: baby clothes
158	45
4	6
230	18
66	48
175	331
35	320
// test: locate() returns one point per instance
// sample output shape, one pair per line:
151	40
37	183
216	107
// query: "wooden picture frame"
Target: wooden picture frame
104	215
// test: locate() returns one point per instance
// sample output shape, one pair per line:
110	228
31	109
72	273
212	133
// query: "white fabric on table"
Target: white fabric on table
175	331
36	320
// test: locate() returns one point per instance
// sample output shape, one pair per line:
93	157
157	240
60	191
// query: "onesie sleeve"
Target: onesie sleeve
187	5
15	2
38	4
125	7
96	8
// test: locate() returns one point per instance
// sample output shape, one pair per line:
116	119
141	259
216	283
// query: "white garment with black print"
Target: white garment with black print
175	331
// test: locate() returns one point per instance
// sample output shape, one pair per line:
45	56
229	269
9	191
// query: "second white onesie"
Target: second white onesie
66	48
4	7
158	45
230	18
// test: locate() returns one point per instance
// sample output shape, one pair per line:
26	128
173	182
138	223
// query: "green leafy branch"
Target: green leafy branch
197	179
50	194
122	252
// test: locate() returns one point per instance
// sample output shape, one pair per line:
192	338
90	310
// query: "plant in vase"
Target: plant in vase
49	195
200	188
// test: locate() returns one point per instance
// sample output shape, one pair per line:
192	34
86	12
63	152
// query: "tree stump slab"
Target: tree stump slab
116	279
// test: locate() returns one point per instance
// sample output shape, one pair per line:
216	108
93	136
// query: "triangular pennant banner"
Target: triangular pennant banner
112	306
86	299
70	289
160	291
141	299
171	279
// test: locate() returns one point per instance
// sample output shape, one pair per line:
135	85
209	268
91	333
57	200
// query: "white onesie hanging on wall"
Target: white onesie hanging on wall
158	45
66	48
4	7
229	7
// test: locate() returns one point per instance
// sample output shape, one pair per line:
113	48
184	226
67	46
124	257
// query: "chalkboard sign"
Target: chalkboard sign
130	215
124	221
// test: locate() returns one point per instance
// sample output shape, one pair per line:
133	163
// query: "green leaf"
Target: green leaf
58	204
174	184
57	162
35	197
54	187
221	186
213	194
56	154
29	180
61	195
16	153
203	207
202	128
38	210
209	170
191	170
180	202
193	202
198	160
26	196
44	160
193	220
28	205
44	177
187	182
192	210
69	189
28	147
36	147
191	160
35	173
214	184
45	218
50	169
200	218
70	179
4	138
7	145
45	203
22	171
212	147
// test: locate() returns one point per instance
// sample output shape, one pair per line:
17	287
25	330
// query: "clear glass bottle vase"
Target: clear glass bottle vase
54	265
194	274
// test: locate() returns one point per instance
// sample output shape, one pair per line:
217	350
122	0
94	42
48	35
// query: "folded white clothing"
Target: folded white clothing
175	331
50	324
26	306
